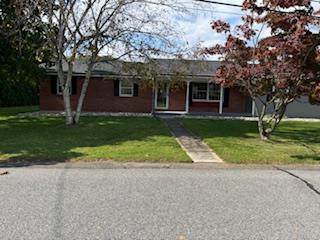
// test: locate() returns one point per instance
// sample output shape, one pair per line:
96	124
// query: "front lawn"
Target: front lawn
237	141
97	138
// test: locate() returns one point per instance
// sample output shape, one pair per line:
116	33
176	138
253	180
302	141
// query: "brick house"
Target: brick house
112	88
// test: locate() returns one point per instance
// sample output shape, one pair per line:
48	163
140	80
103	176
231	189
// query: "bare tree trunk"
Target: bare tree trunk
67	107
83	93
65	93
264	135
64	83
266	127
277	116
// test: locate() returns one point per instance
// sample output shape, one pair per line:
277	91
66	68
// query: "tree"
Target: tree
23	49
131	29
19	76
276	69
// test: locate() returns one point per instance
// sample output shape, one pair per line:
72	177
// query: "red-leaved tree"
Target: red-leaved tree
275	69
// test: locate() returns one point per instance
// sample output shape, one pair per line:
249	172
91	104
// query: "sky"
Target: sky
196	23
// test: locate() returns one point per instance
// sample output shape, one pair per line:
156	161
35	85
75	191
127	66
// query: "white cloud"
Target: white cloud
195	24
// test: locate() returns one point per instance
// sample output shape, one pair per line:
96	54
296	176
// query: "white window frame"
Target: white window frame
207	97
121	87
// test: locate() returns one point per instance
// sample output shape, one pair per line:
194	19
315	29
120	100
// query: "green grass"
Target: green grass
96	138
11	112
237	141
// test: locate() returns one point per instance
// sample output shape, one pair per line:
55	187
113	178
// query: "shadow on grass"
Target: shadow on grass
31	141
314	157
289	134
298	132
221	128
300	136
305	134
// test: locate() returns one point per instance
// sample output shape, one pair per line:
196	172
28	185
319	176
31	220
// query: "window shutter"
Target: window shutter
116	87
135	90
54	83
190	94
226	97
74	86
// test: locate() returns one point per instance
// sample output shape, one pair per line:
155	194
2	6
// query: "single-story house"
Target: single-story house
181	86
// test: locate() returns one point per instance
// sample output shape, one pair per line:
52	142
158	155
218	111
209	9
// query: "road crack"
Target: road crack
309	185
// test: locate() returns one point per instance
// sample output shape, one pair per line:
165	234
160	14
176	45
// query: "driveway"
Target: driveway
151	204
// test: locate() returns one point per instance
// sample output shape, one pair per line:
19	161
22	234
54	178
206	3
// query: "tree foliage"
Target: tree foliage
22	49
284	65
18	78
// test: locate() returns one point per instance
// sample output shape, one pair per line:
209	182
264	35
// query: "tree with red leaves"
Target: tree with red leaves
277	69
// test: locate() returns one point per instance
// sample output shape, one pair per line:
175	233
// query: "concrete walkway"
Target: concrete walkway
197	150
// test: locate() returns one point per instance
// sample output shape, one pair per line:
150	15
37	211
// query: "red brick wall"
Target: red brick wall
204	107
237	102
48	101
100	98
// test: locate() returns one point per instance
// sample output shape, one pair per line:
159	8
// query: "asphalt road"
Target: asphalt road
120	204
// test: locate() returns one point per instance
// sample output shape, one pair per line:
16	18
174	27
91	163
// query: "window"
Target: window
200	91
205	92
126	88
59	88
214	92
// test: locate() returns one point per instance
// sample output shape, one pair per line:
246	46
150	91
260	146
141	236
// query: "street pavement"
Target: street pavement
185	204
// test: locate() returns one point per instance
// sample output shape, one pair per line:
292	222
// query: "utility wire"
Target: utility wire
220	3
237	5
232	4
214	11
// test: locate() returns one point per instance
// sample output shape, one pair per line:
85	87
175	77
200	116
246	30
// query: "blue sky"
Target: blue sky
196	23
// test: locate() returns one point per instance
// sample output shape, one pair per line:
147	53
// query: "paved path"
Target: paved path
158	204
197	150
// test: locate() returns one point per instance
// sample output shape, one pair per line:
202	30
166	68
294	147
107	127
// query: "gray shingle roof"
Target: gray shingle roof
187	67
202	68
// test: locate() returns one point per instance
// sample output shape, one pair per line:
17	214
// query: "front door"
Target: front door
162	96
